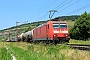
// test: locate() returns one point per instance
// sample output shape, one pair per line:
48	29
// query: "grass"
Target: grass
72	41
4	54
22	54
1	44
27	51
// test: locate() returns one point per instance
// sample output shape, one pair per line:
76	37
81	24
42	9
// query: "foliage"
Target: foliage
73	17
81	29
46	52
29	28
4	54
21	54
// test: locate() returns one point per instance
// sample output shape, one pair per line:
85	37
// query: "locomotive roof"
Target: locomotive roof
41	25
59	22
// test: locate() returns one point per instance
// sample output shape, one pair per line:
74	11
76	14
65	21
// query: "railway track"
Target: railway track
80	47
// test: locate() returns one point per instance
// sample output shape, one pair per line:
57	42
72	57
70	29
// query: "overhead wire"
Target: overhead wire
54	8
46	8
79	9
60	4
43	16
64	4
70	5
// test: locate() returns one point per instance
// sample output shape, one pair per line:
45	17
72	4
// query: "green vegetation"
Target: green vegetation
1	44
22	54
72	18
4	54
72	41
81	29
27	51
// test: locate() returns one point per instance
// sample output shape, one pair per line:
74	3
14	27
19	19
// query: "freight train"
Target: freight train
52	31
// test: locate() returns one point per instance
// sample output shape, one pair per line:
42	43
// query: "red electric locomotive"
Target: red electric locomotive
52	31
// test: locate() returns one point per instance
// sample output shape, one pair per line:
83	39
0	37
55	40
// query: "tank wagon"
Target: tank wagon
26	37
21	37
51	31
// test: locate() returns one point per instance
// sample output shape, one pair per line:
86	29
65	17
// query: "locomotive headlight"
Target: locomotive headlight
66	35
54	35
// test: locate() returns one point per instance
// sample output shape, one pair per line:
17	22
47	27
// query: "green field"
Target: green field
27	51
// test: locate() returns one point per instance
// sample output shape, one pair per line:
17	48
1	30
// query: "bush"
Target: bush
81	29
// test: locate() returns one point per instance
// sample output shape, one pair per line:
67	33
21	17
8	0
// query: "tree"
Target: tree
29	28
81	29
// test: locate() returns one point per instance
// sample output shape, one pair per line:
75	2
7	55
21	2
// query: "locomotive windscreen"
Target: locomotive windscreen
59	25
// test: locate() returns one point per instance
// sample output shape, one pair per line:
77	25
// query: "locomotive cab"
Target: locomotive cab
60	31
